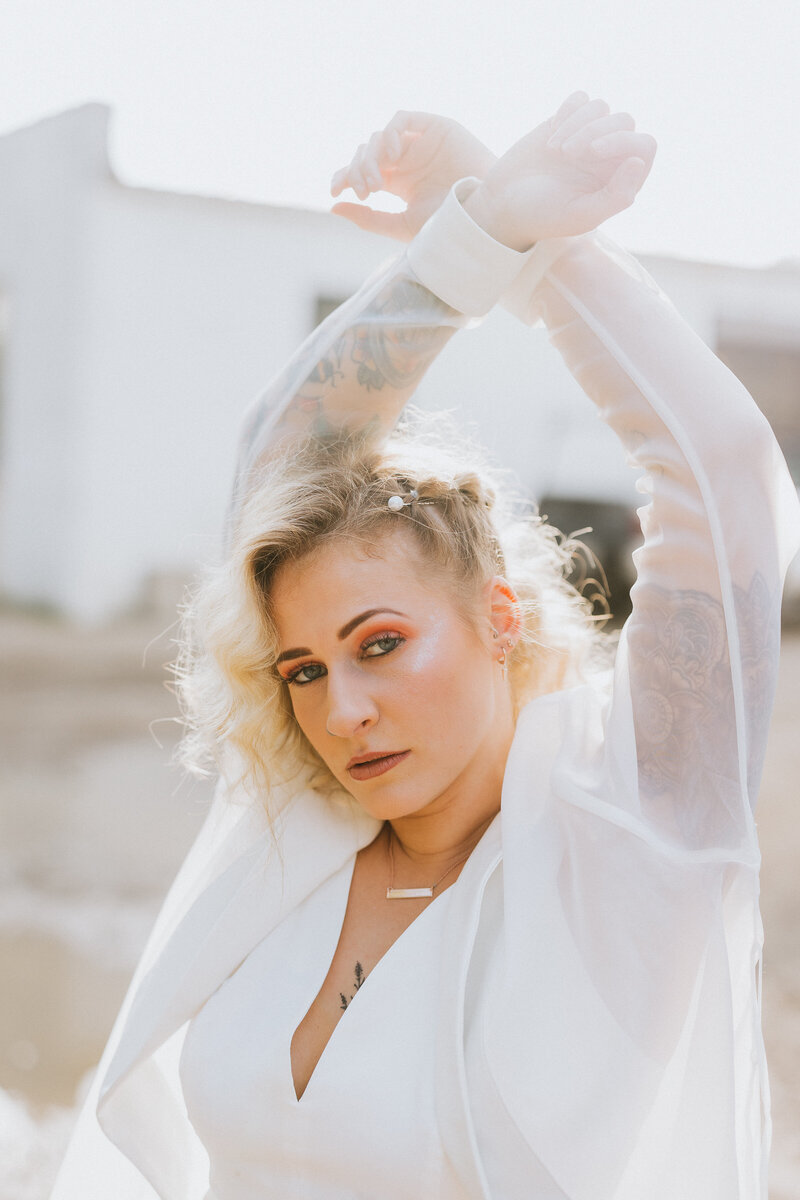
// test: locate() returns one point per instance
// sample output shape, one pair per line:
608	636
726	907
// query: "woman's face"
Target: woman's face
397	692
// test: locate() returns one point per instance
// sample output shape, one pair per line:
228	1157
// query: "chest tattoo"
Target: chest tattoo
359	978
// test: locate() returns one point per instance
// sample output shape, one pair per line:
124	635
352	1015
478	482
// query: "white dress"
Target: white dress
368	1107
368	1110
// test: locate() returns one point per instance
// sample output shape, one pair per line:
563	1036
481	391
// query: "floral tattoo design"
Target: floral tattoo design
359	979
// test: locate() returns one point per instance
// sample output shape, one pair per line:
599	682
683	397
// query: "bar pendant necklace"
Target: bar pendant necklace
393	893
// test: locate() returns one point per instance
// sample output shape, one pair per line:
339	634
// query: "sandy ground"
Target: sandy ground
94	821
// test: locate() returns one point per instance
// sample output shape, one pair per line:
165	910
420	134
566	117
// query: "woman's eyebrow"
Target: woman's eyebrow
344	632
347	629
298	652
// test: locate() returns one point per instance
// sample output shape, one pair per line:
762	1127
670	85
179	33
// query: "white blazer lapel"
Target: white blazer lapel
524	799
452	1100
314	837
558	1055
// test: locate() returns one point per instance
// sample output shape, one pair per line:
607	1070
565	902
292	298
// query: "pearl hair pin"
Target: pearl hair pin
395	503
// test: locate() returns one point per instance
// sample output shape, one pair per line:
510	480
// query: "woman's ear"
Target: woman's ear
505	614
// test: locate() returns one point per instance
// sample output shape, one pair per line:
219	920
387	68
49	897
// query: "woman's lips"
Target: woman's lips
375	764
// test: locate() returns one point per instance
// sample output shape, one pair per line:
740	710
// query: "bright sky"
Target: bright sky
264	99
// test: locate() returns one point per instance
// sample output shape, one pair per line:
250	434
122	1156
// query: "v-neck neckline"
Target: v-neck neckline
378	966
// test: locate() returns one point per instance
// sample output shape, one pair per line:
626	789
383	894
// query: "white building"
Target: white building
136	325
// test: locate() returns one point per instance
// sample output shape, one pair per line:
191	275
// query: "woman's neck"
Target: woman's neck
455	822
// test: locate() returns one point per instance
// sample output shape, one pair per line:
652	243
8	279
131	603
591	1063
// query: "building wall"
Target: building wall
140	324
42	253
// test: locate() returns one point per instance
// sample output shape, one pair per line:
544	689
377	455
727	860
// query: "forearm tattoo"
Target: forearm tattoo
686	732
388	350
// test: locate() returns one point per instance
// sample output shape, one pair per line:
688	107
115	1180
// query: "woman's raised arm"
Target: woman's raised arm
698	659
360	366
697	664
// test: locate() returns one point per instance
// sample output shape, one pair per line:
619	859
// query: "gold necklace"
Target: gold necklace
393	893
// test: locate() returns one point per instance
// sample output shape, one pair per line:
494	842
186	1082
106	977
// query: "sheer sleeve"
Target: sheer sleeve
360	366
622	1016
698	657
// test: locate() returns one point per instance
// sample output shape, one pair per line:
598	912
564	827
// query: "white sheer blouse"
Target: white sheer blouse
604	938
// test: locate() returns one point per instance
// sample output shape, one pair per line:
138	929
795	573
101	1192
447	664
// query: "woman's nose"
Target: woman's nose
350	706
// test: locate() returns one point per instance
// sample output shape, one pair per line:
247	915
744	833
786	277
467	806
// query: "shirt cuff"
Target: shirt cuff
457	260
520	297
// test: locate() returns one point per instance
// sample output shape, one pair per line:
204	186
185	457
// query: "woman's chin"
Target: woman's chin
389	803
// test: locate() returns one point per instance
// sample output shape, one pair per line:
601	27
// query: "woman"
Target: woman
541	878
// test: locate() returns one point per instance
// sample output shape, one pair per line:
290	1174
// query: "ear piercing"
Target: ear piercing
503	659
509	646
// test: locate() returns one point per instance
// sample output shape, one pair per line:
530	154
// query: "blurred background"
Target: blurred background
164	246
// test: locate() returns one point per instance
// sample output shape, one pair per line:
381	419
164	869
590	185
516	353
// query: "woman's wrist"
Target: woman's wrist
459	260
484	211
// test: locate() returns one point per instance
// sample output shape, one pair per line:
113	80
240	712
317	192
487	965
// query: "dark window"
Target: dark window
324	306
771	373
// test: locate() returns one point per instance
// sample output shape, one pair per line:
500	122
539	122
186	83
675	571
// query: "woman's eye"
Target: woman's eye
373	647
306	674
383	643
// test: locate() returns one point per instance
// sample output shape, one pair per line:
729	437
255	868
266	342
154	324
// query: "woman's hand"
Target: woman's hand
568	175
418	157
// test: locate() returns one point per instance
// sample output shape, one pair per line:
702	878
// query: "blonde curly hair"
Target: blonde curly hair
467	527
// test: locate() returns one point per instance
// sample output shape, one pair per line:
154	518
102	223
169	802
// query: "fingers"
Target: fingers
578	142
393	143
619	193
570	105
391	225
367	170
621	189
412	122
591	110
362	175
588	126
626	145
